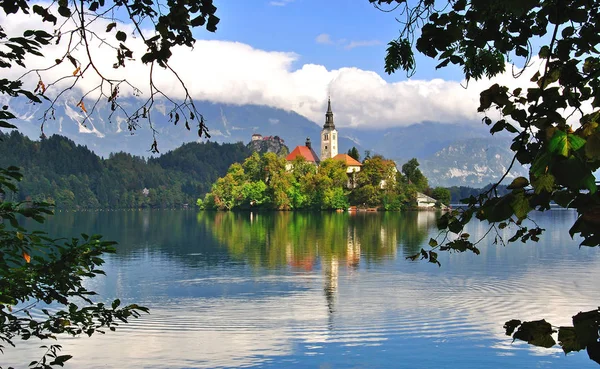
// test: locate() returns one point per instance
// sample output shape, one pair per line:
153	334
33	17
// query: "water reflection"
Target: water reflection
306	290
300	240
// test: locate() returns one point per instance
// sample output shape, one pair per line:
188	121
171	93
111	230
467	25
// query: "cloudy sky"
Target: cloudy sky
293	54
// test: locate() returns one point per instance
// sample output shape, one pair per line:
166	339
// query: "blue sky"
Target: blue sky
294	25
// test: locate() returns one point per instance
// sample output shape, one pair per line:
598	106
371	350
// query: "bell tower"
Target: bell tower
329	139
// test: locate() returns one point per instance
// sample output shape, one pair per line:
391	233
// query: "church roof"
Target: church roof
347	159
304	151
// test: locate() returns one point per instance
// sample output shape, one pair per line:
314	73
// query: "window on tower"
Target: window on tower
326	137
325	147
333	136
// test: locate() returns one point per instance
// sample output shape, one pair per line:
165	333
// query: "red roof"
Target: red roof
305	152
348	160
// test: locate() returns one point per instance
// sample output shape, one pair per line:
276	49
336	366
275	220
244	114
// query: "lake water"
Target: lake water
324	290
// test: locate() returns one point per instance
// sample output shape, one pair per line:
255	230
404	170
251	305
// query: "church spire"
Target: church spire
329	116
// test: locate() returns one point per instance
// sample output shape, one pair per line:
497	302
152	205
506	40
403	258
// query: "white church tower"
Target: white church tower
329	140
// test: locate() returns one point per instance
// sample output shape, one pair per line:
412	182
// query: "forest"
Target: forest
70	176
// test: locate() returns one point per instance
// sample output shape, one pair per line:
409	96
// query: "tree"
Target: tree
442	195
413	175
353	153
553	120
33	267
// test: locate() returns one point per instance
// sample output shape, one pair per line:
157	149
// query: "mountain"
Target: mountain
472	162
450	154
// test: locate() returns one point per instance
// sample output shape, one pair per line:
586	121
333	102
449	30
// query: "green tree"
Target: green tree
442	195
353	152
554	120
413	175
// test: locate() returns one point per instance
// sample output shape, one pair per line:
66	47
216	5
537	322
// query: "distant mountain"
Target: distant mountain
451	154
472	162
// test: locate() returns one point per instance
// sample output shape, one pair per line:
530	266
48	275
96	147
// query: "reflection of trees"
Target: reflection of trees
265	239
299	239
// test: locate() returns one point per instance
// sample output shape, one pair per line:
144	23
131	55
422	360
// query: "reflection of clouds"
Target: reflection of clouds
247	318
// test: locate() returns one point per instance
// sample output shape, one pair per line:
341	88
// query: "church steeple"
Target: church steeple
329	141
329	116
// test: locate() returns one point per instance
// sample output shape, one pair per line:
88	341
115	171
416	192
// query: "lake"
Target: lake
323	290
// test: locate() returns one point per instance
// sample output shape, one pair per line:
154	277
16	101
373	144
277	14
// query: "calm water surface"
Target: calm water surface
324	290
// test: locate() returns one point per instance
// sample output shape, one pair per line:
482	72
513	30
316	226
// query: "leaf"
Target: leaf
511	325
520	205
519	182
592	147
567	339
76	71
27	257
81	105
121	36
545	182
537	333
111	26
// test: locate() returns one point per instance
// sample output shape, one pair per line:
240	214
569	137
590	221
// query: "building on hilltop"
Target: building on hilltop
257	137
306	152
329	135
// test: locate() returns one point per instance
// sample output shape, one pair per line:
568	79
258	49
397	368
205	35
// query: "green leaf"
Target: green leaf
519	182
559	144
542	183
520	205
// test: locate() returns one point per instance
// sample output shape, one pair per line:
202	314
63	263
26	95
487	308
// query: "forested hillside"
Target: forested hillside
73	177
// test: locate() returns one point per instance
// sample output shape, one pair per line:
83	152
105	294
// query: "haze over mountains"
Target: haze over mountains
450	154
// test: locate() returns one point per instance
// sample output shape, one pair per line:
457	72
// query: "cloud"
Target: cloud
354	44
324	38
280	2
237	73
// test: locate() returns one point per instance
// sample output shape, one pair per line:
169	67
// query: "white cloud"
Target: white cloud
354	44
280	2
237	73
324	38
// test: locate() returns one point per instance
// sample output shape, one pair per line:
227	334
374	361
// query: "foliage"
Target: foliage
583	335
442	195
353	153
413	175
269	182
481	37
41	280
553	119
72	177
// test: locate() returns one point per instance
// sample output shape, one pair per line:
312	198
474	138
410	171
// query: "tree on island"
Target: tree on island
554	119
353	153
34	268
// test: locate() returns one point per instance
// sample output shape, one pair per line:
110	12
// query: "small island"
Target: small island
302	180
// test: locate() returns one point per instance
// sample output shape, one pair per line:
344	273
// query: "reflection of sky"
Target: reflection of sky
392	314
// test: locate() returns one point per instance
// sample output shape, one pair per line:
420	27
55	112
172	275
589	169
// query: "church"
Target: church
329	147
